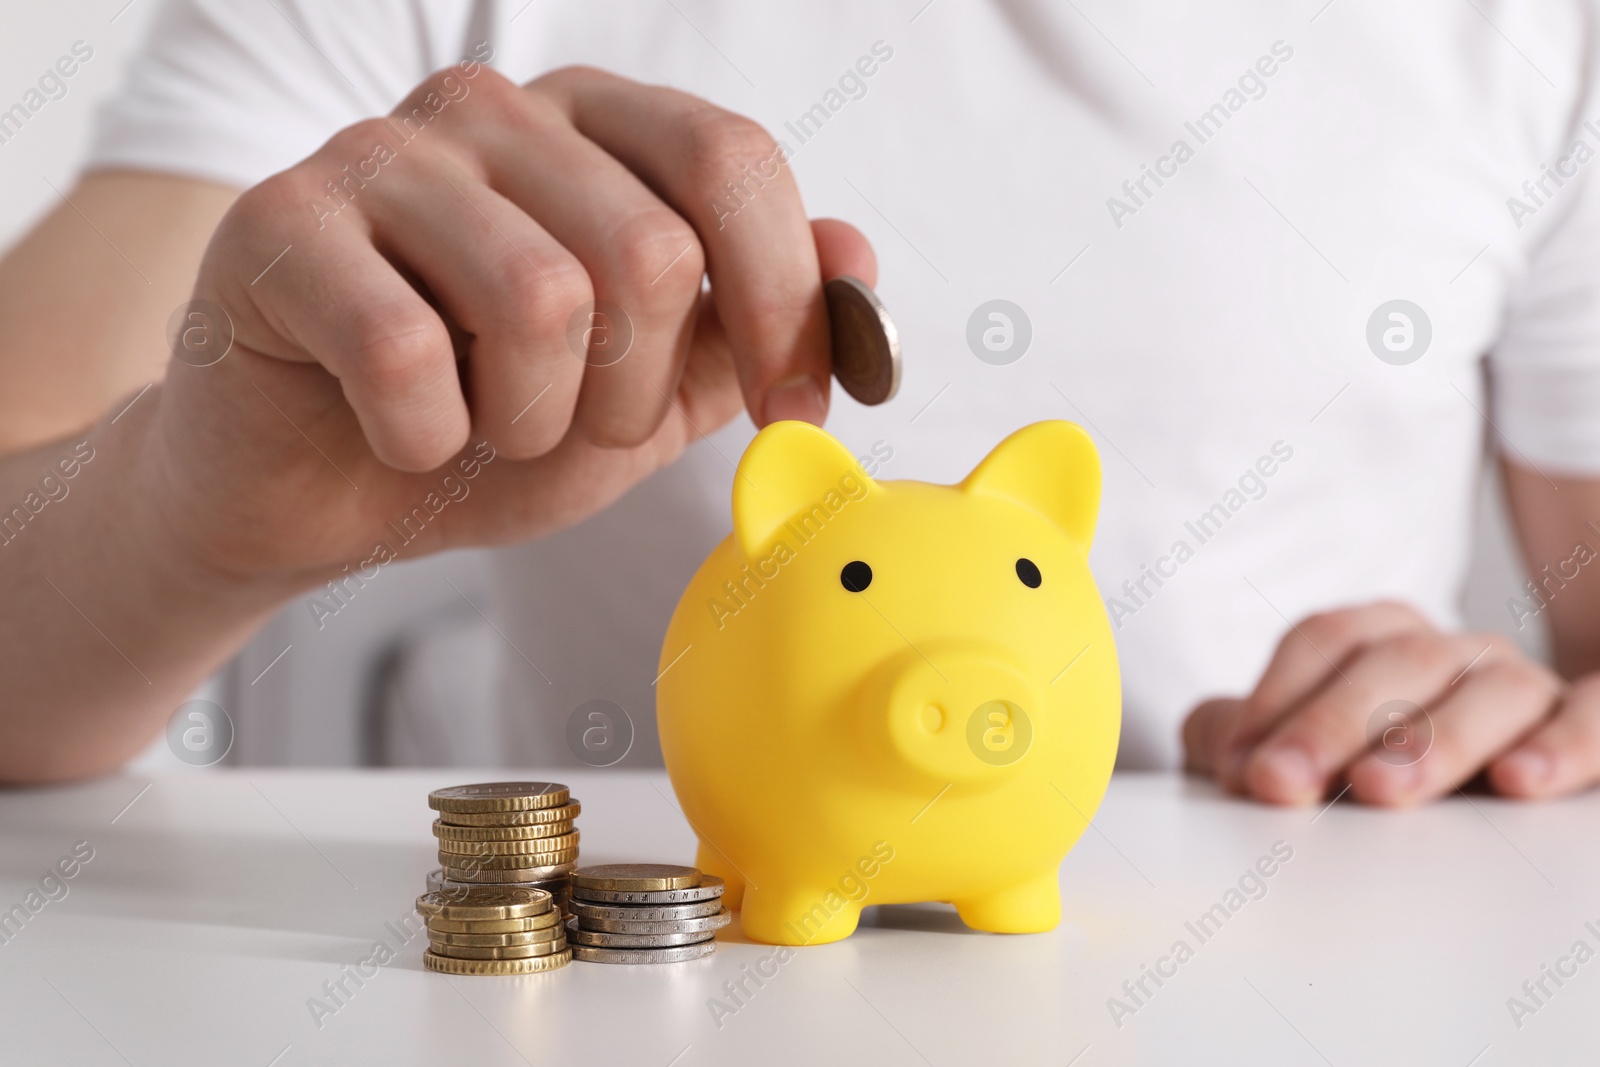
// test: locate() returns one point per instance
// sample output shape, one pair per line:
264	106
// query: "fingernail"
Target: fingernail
1290	769
797	397
1527	766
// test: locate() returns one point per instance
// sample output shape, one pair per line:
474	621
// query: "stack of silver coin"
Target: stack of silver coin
517	834
644	913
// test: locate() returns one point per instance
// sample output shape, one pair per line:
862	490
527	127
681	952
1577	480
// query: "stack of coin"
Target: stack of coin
492	929
506	833
644	913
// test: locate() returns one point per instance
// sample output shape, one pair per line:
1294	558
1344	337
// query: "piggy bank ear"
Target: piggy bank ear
792	471
1049	467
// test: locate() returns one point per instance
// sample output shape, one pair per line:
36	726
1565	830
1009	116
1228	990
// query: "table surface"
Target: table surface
217	906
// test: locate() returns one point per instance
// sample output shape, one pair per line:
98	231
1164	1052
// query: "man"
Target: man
1261	255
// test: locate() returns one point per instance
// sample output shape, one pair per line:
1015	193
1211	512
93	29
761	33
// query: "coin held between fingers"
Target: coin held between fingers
866	344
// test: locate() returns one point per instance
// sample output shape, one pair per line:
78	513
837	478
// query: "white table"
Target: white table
217	905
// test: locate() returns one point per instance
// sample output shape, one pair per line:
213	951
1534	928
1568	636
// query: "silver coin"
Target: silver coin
703	925
674	954
710	888
866	345
649	912
556	887
577	935
436	880
509	874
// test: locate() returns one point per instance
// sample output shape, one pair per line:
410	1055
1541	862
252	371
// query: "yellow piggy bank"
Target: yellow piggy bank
888	692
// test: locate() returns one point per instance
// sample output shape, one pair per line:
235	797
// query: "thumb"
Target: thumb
843	249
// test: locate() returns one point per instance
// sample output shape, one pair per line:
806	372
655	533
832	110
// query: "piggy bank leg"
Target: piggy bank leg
710	861
795	915
1028	907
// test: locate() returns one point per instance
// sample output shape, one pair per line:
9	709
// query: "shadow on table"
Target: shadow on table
923	918
308	890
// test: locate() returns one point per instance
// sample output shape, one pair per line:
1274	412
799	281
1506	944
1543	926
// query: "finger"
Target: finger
708	392
1562	755
1305	660
730	180
1204	731
1297	760
503	280
843	249
348	309
645	263
1495	703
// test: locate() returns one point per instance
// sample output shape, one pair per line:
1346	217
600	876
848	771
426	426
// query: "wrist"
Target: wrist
181	556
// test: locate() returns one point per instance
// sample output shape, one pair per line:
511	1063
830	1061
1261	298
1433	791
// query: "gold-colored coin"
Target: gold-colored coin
512	861
531	965
497	952
524	937
448	832
485	902
521	875
530	817
499	796
496	926
635	877
532	846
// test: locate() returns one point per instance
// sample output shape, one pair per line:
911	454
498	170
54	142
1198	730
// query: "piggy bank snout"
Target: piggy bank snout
957	713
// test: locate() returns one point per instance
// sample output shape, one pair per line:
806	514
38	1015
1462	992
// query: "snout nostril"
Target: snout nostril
933	718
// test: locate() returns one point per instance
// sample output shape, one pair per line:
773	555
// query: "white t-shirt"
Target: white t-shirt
1202	215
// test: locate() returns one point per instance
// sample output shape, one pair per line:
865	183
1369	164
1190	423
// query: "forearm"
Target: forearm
108	624
1558	524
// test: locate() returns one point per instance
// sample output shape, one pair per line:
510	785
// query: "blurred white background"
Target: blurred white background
404	674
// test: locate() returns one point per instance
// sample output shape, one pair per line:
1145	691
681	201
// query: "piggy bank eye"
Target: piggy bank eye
1028	571
856	576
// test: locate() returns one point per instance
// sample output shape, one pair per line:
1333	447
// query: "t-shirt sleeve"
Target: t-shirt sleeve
235	90
1545	367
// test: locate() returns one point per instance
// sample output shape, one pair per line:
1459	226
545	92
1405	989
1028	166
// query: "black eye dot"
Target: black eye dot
1028	571
856	576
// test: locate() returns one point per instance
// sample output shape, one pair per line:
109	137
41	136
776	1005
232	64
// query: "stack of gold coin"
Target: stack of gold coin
644	913
493	929
506	833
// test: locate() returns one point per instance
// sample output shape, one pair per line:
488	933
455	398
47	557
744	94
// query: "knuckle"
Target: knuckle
1419	649
449	94
1494	646
1523	681
394	352
721	143
358	139
526	287
267	201
444	83
556	290
1390	608
535	297
1331	627
569	76
535	301
655	253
